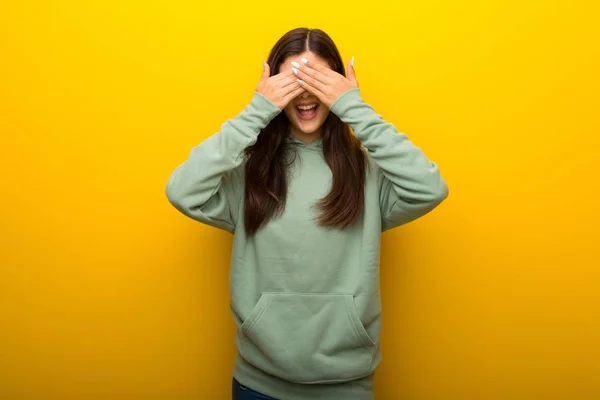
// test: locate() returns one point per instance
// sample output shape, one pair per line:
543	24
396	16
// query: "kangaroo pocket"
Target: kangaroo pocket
307	338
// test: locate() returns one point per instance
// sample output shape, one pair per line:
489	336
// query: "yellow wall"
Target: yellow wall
107	292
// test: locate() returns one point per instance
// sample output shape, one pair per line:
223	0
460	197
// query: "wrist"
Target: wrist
340	105
262	108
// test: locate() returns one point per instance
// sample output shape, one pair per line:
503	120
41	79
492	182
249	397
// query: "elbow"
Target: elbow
173	196
437	193
443	192
179	194
188	202
171	189
176	198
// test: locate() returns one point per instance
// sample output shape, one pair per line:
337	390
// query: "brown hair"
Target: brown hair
268	160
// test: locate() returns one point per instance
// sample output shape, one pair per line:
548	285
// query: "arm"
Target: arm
208	186
410	185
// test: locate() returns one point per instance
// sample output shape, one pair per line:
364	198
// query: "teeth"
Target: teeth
307	107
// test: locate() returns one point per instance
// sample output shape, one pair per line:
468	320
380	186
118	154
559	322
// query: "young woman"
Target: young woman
307	176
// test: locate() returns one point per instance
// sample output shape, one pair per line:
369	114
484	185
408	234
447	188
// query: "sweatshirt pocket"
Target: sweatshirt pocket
307	338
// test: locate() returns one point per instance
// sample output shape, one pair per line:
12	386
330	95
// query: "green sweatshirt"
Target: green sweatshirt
306	299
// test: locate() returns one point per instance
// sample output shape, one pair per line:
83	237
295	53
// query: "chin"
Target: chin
307	129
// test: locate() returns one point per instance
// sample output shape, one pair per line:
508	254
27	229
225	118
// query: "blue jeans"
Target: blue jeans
240	392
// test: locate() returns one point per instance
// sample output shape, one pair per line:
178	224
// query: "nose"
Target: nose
305	95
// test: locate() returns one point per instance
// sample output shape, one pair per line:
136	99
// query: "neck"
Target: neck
305	137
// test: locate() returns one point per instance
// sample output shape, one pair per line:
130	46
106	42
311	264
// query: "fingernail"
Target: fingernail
300	82
295	70
304	60
352	61
295	64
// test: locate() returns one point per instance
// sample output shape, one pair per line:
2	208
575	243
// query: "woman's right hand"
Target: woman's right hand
280	89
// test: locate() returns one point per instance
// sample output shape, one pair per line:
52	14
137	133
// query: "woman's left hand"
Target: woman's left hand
323	82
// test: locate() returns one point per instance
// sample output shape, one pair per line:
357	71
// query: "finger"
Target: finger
325	69
314	73
312	90
298	90
287	81
266	71
283	75
321	68
290	88
351	72
311	81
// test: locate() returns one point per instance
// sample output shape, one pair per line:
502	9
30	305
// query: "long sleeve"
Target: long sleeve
410	185
208	186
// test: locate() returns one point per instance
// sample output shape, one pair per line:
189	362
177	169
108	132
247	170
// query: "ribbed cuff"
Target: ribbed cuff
345	100
264	108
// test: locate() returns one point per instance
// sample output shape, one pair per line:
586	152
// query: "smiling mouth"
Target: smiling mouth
306	112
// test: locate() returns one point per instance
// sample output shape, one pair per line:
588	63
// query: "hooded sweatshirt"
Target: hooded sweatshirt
305	298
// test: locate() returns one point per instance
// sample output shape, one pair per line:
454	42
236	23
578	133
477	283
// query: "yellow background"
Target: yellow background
107	292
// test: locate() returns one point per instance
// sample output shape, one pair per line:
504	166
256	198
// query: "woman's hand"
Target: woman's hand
280	89
324	82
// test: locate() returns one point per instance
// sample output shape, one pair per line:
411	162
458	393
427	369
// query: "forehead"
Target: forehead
309	55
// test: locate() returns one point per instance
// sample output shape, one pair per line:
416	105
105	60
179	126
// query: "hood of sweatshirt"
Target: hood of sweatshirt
315	145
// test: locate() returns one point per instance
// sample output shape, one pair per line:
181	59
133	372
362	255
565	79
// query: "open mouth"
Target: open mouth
307	111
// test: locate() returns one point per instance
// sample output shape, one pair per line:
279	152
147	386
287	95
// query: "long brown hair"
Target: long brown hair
268	160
